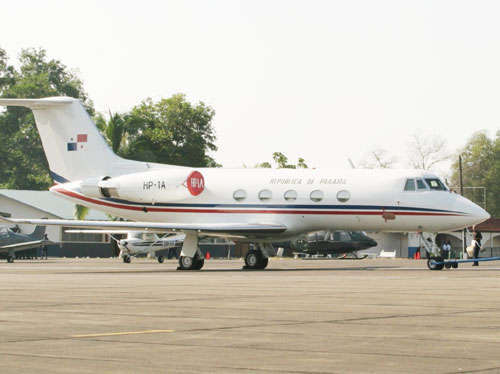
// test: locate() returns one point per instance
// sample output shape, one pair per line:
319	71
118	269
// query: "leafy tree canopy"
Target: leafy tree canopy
170	131
481	168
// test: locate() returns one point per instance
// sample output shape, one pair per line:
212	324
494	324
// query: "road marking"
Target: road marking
121	333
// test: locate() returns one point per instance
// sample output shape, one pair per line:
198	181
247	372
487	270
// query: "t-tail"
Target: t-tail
74	147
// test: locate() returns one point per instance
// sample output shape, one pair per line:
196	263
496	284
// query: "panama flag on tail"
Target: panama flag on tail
80	139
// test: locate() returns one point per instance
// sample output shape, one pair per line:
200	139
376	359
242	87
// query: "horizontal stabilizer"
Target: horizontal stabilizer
38	103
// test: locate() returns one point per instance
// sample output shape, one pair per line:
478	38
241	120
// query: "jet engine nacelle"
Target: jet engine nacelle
90	187
155	186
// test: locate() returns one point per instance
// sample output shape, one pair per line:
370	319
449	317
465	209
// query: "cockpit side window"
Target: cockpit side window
435	184
410	185
421	184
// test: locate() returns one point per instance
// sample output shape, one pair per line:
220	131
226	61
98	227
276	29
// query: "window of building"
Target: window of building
316	195
265	195
239	195
82	237
435	184
343	196
410	185
421	184
290	195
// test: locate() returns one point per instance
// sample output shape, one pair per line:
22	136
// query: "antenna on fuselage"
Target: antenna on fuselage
351	163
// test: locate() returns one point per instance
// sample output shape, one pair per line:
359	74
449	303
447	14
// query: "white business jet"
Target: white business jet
252	205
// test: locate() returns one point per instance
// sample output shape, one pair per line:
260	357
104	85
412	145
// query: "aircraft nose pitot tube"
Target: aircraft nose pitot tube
156	186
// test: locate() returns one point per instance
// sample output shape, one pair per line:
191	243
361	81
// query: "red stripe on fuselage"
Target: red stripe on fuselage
241	211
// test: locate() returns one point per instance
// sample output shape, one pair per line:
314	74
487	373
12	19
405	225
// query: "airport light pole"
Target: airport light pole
464	233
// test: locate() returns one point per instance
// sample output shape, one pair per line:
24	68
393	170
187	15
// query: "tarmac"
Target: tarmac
332	316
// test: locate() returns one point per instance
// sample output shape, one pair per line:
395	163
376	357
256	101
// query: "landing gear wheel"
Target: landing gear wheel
199	263
127	259
254	260
435	263
190	263
161	259
10	259
447	265
454	265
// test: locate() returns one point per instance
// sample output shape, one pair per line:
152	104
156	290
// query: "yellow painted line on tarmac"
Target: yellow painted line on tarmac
121	333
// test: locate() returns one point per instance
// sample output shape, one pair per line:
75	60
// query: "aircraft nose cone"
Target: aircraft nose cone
478	214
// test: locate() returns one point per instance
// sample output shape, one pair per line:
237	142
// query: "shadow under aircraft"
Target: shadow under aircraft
328	242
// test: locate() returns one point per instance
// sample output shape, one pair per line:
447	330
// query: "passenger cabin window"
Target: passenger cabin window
265	195
343	196
410	185
290	195
421	184
239	195
316	195
435	184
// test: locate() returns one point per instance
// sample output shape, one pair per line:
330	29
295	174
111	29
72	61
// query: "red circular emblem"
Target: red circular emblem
195	183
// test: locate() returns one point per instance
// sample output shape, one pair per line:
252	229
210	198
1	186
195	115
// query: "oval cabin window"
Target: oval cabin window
343	196
265	195
316	195
290	195
239	195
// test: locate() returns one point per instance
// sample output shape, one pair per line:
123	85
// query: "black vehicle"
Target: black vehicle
329	243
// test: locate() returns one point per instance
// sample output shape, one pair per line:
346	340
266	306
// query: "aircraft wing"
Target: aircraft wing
25	245
208	229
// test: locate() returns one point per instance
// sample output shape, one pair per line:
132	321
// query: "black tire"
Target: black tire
432	263
10	259
447	265
199	263
263	263
455	265
161	259
127	259
253	259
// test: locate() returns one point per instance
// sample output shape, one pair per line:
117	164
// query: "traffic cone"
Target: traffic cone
207	255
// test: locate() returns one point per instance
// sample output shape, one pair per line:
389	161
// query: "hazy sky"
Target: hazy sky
324	80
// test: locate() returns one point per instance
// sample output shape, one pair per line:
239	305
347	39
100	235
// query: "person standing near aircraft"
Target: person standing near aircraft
476	242
45	249
445	249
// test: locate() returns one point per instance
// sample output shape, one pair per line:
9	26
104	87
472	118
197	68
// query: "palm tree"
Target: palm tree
81	212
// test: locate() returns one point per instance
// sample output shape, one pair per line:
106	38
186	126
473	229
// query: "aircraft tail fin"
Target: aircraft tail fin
74	147
38	233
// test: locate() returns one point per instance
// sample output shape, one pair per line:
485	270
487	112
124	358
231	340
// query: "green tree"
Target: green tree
23	161
480	158
171	131
81	212
281	162
114	130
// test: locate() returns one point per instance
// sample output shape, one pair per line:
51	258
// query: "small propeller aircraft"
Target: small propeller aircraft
259	206
139	242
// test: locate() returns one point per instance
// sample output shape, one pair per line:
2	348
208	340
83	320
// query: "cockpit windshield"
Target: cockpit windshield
436	184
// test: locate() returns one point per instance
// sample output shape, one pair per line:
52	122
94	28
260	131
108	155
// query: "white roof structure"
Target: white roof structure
48	202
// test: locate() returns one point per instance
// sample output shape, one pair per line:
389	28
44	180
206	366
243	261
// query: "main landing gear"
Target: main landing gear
256	259
10	259
191	257
127	259
191	263
161	259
